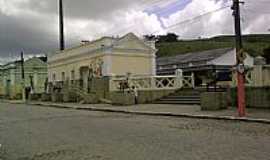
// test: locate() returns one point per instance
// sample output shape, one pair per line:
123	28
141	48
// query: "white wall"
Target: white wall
230	59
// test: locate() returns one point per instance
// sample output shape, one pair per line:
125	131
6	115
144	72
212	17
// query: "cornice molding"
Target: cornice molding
100	53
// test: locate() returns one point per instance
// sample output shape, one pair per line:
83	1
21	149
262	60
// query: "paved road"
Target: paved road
38	133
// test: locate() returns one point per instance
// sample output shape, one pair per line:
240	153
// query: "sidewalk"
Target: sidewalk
189	111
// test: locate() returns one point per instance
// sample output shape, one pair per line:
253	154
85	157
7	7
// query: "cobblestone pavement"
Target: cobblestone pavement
40	133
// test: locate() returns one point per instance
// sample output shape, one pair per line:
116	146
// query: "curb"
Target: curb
164	114
12	102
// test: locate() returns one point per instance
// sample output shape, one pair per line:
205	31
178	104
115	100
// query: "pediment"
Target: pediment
131	41
34	62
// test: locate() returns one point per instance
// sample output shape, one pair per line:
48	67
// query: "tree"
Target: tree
170	37
150	37
266	54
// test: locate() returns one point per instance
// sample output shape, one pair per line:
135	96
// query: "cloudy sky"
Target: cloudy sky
32	25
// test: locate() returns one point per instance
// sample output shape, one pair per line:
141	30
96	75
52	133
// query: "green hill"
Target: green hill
254	44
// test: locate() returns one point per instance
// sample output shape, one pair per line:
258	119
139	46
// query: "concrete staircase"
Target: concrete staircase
82	95
190	97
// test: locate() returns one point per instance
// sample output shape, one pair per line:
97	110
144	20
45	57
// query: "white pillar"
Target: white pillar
107	63
13	85
12	77
193	79
35	81
154	64
5	85
153	83
107	66
179	75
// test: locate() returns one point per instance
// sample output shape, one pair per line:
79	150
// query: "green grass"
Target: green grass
254	44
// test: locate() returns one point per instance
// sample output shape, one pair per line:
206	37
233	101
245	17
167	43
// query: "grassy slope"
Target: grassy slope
252	43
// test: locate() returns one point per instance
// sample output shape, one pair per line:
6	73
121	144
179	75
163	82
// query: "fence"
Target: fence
248	76
258	76
151	82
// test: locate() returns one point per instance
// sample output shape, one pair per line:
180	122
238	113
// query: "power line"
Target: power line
179	23
144	9
195	18
161	11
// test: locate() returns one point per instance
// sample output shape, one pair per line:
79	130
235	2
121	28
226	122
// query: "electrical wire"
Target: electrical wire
194	18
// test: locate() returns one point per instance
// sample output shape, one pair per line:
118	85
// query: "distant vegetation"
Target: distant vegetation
171	45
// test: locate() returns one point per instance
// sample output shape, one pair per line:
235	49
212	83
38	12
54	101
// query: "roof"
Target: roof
38	60
193	57
87	44
44	59
171	71
114	42
12	63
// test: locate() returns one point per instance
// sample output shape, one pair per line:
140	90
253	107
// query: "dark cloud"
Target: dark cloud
28	34
83	9
32	25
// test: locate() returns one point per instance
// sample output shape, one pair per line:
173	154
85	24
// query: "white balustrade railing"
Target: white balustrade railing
248	76
188	82
151	82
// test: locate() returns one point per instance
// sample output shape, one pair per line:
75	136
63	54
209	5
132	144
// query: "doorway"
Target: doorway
7	88
84	76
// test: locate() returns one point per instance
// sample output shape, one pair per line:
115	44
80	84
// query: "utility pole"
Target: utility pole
240	56
23	77
61	26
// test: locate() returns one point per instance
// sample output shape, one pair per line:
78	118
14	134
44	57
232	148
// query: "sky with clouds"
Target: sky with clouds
32	25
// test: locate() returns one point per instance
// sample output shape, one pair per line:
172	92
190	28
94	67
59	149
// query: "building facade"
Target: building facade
35	70
104	57
207	66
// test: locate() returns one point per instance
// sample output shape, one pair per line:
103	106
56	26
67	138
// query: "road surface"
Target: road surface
40	133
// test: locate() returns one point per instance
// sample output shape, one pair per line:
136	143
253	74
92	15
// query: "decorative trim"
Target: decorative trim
102	51
72	60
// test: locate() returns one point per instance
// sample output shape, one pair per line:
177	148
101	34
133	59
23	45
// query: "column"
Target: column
36	86
193	79
107	63
154	64
13	86
179	76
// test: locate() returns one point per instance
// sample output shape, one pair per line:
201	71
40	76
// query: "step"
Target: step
177	102
181	94
180	97
170	99
180	100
